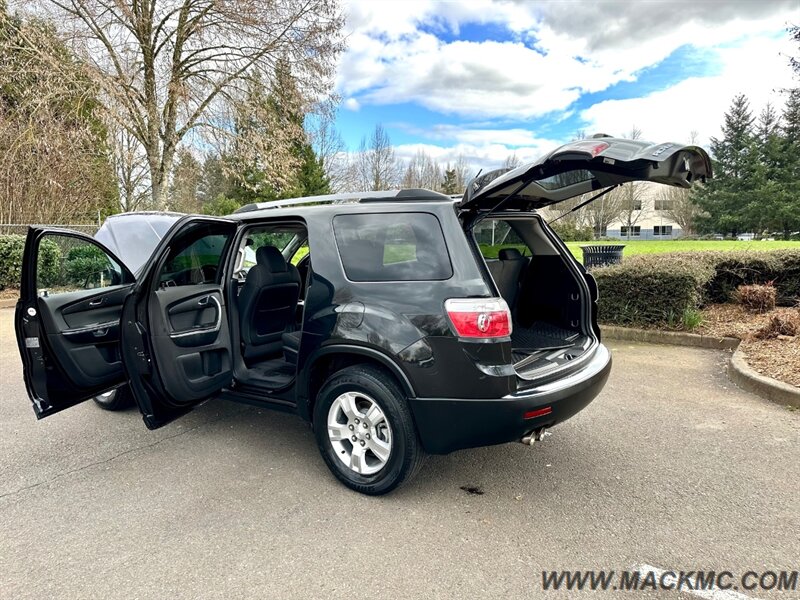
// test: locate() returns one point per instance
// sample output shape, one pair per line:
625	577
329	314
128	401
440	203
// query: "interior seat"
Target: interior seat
507	272
267	303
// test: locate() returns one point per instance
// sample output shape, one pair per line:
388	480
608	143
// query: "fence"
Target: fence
22	229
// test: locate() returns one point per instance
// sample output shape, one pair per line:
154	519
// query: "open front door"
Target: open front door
68	318
175	336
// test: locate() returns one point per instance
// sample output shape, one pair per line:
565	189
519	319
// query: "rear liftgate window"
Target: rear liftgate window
392	247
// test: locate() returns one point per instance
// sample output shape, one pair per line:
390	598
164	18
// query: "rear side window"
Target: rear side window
392	247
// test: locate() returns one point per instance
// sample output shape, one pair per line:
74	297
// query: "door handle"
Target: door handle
203	301
96	302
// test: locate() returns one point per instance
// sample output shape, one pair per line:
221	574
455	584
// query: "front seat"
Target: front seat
267	303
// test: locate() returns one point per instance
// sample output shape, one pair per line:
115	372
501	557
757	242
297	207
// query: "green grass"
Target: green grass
661	246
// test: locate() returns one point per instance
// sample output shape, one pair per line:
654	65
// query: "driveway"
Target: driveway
672	466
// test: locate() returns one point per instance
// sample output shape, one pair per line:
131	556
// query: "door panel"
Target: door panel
83	334
68	319
176	340
192	340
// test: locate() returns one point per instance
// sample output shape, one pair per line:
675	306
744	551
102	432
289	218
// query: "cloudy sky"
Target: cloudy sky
490	78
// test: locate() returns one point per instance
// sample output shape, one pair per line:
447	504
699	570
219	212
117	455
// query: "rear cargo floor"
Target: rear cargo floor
538	337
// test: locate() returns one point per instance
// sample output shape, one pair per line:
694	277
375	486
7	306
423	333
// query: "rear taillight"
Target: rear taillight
479	317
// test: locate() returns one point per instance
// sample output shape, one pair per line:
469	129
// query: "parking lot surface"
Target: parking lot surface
672	466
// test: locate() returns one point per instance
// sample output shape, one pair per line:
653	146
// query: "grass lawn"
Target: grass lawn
661	246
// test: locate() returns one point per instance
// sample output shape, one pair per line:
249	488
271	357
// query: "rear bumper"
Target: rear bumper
448	424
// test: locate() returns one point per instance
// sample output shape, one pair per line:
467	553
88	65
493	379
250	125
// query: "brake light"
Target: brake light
479	317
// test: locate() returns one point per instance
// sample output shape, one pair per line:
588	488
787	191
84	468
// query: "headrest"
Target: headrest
271	257
509	254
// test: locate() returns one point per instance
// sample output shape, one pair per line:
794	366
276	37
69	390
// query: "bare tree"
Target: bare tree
600	213
422	171
162	65
130	165
631	197
329	145
185	183
376	165
678	205
512	161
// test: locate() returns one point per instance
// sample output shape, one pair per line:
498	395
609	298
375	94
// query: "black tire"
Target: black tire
406	455
118	399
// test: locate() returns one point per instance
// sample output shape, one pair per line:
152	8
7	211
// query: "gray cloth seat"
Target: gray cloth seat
507	273
267	303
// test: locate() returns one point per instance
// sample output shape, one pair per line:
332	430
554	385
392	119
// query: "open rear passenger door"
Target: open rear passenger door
68	318
176	343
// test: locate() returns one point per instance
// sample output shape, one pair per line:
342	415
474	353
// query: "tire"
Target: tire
346	399
118	399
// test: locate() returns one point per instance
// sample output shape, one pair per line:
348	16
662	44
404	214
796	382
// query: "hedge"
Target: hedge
651	289
11	249
659	289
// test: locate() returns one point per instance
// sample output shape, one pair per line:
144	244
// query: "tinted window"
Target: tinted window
392	247
196	263
65	263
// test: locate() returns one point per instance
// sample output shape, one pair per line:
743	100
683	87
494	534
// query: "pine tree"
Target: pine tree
734	155
450	182
312	179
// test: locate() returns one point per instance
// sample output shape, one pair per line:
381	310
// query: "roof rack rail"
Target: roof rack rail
416	195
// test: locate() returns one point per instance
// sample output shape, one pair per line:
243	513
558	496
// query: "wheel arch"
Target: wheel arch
330	359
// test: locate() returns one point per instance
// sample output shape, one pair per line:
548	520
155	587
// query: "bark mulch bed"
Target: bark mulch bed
777	357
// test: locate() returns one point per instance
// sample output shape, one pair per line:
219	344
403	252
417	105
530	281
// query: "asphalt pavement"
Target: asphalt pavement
672	466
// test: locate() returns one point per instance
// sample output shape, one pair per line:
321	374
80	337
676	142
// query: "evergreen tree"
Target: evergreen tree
725	197
312	179
272	157
450	182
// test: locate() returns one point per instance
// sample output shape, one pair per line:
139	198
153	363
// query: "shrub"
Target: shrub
11	249
757	298
734	269
781	324
84	263
652	289
569	232
659	289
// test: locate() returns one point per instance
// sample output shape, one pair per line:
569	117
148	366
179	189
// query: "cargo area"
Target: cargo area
548	299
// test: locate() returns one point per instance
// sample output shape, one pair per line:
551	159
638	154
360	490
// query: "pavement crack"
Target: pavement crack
121	454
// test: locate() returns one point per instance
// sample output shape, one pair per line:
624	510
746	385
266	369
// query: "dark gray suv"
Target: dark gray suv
375	317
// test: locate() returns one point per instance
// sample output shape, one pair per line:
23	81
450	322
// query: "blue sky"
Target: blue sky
484	79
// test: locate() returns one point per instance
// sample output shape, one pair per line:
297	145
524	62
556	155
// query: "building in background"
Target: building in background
649	218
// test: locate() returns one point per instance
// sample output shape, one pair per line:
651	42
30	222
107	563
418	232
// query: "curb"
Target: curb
9	303
747	378
739	372
672	338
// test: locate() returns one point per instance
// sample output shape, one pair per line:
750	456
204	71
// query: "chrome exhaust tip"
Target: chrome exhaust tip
537	435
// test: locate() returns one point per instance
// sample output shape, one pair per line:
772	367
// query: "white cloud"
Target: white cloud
757	68
484	156
352	104
578	48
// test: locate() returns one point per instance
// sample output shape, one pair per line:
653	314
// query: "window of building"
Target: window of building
635	231
662	204
392	247
662	230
